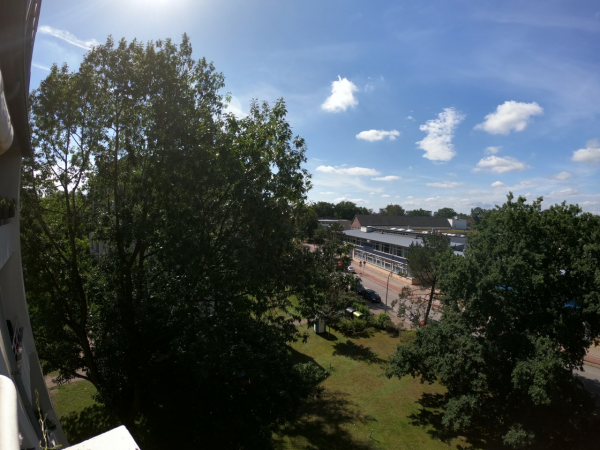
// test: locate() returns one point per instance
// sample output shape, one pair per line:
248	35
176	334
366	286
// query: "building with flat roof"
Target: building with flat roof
408	222
328	221
388	248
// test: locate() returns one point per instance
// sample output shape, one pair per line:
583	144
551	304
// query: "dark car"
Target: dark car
372	296
361	290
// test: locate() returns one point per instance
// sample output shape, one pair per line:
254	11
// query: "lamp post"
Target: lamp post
387	287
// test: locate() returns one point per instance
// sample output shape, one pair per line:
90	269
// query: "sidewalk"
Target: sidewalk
593	356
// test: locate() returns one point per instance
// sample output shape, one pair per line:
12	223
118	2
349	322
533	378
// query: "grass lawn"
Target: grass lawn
72	397
358	398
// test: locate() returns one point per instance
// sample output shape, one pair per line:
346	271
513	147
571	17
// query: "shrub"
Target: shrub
382	321
362	309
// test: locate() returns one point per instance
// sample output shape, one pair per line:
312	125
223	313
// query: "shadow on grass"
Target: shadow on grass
301	358
357	352
88	423
328	336
430	416
323	424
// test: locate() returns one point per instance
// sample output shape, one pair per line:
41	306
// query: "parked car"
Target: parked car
351	269
361	290
372	296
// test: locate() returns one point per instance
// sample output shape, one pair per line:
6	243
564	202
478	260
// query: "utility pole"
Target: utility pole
387	287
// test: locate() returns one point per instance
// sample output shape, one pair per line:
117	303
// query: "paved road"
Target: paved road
591	379
379	286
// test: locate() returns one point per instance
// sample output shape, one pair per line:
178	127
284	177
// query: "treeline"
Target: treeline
347	210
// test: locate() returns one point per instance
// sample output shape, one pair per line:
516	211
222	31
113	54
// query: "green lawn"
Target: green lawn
359	398
72	397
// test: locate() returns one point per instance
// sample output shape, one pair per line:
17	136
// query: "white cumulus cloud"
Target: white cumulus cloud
500	164
562	176
492	150
68	37
498	184
328	193
445	184
358	171
589	154
410	117
438	142
510	116
386	178
342	96
385	196
378	135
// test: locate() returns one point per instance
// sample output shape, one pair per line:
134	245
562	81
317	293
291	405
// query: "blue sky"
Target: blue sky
424	104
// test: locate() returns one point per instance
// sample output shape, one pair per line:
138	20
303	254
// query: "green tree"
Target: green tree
418	213
519	311
346	210
306	223
445	212
477	214
392	210
424	260
198	212
324	209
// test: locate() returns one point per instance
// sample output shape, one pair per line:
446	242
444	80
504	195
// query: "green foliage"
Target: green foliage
354	327
418	213
324	209
477	214
362	308
342	210
311	373
445	212
199	213
424	260
392	210
519	312
382	321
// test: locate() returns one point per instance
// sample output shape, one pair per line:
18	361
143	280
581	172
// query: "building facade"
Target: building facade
18	357
388	248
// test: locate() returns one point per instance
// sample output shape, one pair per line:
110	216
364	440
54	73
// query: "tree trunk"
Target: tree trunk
429	303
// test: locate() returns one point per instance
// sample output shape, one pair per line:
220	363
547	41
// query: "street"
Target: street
379	286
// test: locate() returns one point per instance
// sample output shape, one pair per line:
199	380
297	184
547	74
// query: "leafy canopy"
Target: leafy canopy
519	311
178	315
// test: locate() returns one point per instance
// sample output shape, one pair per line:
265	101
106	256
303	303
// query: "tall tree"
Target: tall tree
445	212
198	212
519	311
346	210
324	209
423	263
418	213
392	210
477	214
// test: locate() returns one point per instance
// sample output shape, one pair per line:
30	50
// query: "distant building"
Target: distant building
388	248
19	362
343	222
407	222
